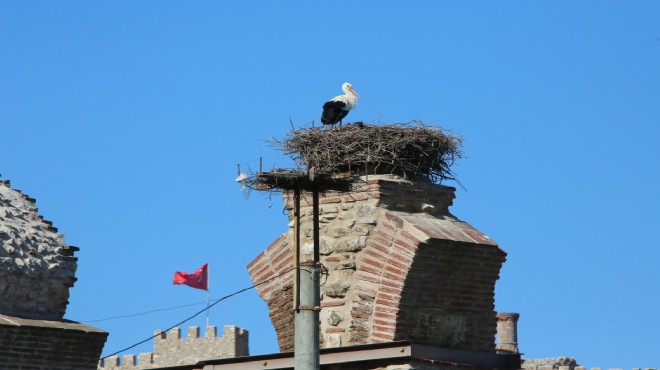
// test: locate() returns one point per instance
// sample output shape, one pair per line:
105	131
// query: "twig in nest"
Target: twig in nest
412	150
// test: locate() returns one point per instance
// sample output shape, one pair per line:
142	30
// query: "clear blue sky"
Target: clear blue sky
126	121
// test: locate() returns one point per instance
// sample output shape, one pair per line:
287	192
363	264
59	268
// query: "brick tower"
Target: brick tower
399	266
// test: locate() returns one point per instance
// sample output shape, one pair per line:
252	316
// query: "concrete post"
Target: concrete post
307	328
507	332
306	349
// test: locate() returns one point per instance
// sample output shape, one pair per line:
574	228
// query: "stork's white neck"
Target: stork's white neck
351	97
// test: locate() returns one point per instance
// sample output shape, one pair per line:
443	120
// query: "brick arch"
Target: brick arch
277	260
427	280
381	269
448	297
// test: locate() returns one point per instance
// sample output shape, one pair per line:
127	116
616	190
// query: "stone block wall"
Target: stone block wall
551	367
564	363
170	349
37	268
400	267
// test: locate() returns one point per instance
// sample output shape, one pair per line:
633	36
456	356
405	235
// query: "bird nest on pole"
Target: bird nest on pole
334	158
411	150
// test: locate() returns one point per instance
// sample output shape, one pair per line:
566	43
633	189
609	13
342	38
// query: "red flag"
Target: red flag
198	279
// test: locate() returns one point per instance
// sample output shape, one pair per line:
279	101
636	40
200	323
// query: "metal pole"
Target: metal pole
296	248
306	351
208	292
317	237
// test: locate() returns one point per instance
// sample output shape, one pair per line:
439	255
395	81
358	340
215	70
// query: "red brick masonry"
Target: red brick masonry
401	267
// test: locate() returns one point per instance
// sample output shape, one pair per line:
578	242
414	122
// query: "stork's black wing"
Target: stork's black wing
333	112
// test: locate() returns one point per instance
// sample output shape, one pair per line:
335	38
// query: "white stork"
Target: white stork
335	109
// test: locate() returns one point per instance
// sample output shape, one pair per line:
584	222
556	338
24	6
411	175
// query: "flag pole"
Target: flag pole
208	293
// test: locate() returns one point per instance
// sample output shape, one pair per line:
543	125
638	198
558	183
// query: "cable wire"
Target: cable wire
142	313
186	319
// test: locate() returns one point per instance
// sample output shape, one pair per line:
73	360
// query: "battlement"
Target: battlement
582	368
560	363
170	349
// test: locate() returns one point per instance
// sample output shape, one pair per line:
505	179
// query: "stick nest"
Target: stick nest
411	150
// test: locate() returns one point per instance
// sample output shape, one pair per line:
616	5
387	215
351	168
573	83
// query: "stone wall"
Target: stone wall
170	349
37	268
400	267
582	368
561	363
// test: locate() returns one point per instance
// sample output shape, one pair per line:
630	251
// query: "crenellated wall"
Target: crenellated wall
170	349
563	363
400	267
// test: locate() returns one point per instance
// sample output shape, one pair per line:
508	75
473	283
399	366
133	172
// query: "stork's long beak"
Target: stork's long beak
353	91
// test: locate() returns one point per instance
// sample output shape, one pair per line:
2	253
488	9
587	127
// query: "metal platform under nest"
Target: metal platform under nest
306	181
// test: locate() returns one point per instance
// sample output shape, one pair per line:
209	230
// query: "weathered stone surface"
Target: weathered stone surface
346	266
37	268
364	210
328	209
307	248
326	245
327	218
550	363
335	318
335	288
333	341
339	232
351	245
